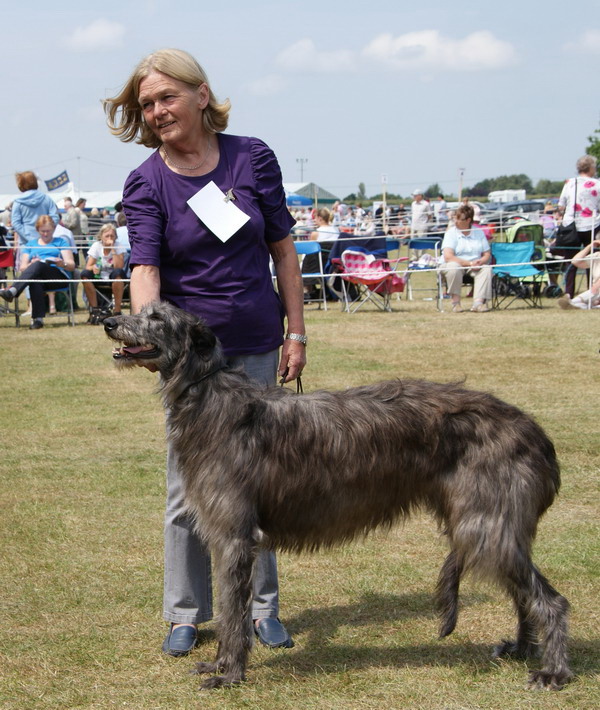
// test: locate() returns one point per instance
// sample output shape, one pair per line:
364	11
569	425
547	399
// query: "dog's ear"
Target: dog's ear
203	339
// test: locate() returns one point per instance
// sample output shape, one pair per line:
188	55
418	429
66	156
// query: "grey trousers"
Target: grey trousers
187	582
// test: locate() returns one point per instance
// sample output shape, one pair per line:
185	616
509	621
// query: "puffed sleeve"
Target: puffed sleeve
145	220
269	185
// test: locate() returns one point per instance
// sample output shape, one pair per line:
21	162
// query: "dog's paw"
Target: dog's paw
549	680
220	681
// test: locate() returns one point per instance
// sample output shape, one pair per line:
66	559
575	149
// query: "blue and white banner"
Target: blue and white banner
57	181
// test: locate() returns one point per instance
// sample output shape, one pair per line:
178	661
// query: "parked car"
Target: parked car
507	212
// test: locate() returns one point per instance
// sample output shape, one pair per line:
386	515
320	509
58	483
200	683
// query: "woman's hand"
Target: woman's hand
293	360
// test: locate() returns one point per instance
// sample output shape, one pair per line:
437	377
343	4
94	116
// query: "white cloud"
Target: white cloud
267	85
304	56
429	50
98	35
588	43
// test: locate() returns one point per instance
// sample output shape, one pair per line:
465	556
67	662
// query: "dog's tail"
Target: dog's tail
447	593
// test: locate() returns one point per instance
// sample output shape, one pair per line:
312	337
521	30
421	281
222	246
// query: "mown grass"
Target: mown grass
82	465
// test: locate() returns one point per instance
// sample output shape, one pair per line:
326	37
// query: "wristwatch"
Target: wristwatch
299	338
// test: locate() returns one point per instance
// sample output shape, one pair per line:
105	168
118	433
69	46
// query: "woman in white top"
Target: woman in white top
466	250
326	231
579	202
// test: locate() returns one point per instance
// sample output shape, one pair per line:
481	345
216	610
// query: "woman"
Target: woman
579	202
326	234
29	206
217	270
105	260
47	258
466	250
587	258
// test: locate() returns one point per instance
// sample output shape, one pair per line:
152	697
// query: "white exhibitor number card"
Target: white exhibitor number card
217	211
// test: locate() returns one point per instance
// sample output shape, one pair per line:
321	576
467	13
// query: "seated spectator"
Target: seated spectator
465	249
325	234
591	297
105	260
45	258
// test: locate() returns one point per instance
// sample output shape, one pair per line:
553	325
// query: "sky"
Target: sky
409	94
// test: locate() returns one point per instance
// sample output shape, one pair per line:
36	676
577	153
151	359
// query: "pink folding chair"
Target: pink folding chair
374	278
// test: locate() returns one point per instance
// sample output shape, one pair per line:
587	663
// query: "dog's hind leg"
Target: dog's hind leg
540	608
447	593
235	561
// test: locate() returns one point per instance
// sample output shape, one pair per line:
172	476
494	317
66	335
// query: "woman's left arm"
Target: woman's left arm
289	283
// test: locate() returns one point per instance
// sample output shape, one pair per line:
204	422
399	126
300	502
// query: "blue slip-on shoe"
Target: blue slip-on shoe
180	641
272	633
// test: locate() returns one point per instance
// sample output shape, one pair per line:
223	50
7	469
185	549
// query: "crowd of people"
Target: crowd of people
104	232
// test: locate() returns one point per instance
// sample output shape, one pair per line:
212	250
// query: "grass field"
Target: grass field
82	466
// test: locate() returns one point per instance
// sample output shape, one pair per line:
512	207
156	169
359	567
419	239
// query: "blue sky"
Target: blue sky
411	91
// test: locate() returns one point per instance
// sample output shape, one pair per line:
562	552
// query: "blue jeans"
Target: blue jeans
188	582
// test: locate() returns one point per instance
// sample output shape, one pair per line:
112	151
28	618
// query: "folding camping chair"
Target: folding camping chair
374	278
7	261
427	263
304	249
515	278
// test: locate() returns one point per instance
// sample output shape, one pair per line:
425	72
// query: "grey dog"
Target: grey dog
263	466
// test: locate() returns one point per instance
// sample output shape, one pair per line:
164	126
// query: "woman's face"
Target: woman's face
46	231
108	238
463	222
171	108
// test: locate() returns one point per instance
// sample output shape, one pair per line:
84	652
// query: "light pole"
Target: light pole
302	161
461	172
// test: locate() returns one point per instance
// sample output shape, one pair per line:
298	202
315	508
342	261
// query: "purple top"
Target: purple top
228	284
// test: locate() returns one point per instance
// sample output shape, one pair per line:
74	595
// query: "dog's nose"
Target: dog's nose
110	323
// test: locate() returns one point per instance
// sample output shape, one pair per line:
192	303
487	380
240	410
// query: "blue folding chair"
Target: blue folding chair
515	277
304	249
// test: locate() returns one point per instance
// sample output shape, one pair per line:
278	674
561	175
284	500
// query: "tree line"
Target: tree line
543	188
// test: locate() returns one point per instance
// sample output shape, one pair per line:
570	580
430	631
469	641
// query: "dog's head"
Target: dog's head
164	338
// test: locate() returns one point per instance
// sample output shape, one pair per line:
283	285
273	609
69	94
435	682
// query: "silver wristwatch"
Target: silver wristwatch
296	336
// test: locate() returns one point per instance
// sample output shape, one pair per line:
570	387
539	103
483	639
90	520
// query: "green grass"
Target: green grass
82	495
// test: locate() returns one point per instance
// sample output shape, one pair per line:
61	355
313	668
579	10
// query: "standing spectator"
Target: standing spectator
420	213
584	211
440	211
29	206
118	212
71	217
83	220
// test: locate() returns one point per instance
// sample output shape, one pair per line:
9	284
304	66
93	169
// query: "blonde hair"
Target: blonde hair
587	164
124	113
109	226
324	214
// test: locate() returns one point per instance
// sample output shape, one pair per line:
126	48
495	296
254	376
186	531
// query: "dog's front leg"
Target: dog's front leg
235	561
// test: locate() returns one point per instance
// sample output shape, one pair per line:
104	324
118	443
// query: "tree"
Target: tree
503	182
433	190
594	145
548	187
362	194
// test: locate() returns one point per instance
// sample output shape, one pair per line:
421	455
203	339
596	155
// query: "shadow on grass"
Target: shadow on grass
318	629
